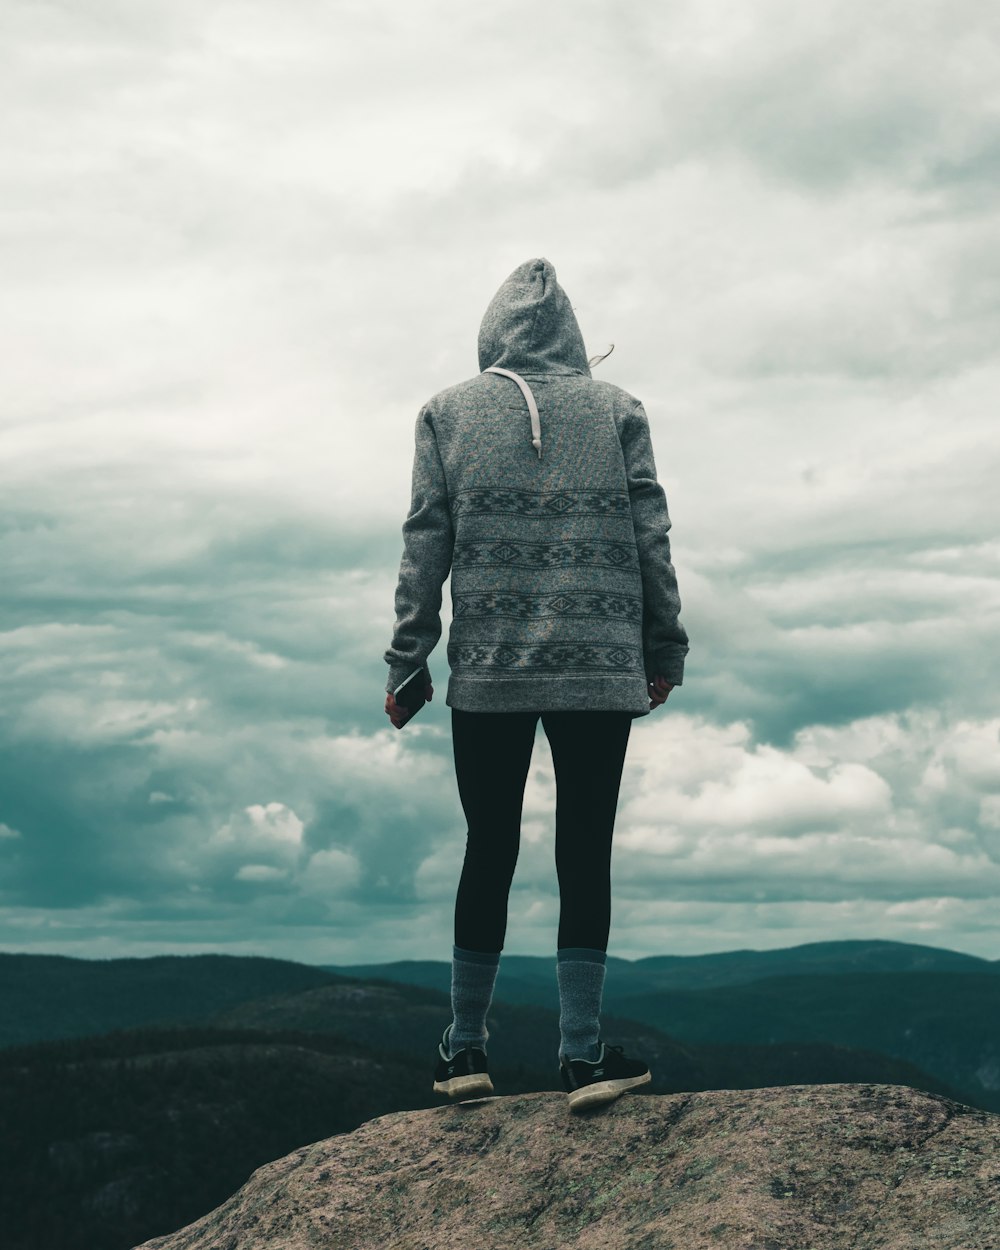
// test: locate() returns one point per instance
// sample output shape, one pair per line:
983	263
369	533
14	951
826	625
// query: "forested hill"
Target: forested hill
53	996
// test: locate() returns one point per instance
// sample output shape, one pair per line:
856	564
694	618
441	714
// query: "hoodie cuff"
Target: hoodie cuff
669	664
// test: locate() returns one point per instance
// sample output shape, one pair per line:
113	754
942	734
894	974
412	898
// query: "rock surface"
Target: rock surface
797	1167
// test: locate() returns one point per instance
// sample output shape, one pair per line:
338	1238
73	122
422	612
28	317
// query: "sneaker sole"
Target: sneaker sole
465	1086
604	1091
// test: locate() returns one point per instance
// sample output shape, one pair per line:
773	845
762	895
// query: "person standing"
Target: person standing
534	485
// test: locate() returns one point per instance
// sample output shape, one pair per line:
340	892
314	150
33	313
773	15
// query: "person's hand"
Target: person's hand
658	690
400	715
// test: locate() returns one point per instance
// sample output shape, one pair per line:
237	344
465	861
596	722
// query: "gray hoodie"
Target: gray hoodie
552	525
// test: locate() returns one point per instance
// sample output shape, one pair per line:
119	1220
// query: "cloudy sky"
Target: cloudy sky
241	245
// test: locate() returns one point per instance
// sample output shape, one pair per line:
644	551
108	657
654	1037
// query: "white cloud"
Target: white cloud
250	651
330	873
79	719
271	824
276	821
388	761
970	752
260	872
989	811
843	810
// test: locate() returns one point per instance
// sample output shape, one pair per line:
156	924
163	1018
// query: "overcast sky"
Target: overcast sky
243	243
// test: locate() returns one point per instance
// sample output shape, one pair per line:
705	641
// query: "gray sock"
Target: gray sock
580	973
473	975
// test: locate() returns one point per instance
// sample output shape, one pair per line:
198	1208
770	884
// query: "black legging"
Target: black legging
492	757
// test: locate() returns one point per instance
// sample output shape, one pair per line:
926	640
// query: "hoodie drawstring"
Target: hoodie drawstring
536	425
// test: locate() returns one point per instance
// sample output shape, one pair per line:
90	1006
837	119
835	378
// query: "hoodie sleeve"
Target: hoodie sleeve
428	543
664	640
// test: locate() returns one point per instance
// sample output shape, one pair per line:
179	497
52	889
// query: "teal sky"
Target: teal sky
242	244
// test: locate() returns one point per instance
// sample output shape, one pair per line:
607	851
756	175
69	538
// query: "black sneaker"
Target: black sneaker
603	1080
465	1075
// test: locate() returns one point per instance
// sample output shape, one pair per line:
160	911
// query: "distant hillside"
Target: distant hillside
934	1008
524	1040
944	1022
531	978
51	996
46	997
812	958
107	1141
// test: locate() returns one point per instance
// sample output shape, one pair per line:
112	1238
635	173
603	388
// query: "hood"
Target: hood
529	325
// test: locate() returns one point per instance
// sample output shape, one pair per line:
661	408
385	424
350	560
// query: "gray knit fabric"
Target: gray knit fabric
473	977
562	588
581	987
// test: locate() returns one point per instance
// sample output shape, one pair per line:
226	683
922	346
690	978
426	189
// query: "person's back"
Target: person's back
535	486
563	592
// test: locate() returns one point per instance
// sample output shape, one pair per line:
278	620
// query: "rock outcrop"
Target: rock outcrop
798	1167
